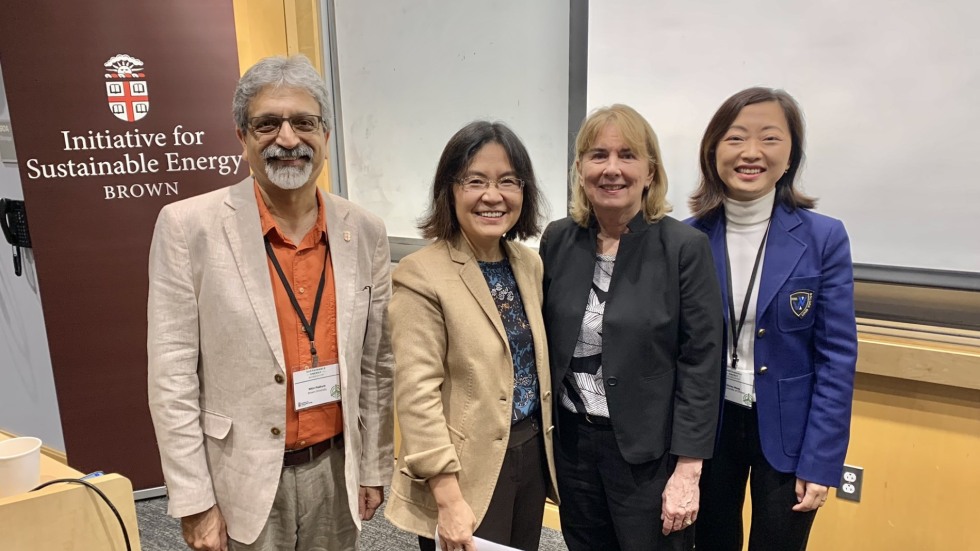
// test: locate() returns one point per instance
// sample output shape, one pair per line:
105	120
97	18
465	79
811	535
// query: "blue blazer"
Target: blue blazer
805	341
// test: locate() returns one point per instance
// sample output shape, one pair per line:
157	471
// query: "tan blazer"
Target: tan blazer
454	377
215	350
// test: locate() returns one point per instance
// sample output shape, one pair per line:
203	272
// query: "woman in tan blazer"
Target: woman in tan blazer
472	385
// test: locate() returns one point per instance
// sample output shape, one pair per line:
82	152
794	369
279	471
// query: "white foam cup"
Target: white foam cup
20	465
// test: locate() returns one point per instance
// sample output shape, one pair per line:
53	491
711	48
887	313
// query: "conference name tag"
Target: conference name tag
739	388
316	386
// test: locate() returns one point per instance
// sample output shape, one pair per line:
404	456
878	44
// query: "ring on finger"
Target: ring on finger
688	522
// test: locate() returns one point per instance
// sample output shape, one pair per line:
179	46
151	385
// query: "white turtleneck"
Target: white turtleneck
746	226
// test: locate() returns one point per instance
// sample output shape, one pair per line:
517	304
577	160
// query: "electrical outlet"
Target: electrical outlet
850	483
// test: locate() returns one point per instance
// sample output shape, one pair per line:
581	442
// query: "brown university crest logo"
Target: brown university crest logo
125	87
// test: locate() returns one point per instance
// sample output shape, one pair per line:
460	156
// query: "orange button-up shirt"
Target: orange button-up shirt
302	264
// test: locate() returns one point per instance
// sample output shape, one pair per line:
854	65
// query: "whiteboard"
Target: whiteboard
410	74
889	90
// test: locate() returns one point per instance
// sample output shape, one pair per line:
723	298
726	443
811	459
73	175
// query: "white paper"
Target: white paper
482	544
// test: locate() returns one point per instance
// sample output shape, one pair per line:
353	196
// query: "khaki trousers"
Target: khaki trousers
310	512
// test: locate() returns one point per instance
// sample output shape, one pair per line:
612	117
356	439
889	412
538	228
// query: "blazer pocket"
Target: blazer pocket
457	438
414	491
456	433
661	376
794	409
796	303
215	425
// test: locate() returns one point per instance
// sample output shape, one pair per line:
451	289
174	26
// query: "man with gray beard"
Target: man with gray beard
270	368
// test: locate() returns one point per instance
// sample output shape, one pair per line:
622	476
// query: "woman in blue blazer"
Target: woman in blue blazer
791	341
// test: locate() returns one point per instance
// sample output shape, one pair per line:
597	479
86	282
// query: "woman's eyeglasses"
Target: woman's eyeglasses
507	184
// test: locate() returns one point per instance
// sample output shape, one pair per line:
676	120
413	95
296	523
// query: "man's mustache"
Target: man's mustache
279	152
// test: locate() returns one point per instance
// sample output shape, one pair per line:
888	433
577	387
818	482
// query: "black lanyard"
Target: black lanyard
737	327
308	326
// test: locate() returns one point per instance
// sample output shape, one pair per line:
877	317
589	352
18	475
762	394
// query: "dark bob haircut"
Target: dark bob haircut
440	221
707	199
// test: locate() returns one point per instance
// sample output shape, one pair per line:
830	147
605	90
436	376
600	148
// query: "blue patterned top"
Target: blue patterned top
503	289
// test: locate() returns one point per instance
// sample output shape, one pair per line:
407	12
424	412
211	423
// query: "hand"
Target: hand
455	525
682	496
369	498
810	496
205	531
456	521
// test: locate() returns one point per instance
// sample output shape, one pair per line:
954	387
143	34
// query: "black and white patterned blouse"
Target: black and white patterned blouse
582	389
503	289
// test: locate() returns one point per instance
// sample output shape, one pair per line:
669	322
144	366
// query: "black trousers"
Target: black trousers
775	526
517	504
608	504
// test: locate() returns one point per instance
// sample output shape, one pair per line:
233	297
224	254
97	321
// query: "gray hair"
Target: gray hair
293	72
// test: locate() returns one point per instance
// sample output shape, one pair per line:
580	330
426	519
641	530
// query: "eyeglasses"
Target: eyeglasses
507	184
269	125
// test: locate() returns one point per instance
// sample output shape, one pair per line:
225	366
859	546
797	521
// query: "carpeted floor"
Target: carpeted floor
159	532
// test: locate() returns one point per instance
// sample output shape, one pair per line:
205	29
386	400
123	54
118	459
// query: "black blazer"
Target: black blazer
661	331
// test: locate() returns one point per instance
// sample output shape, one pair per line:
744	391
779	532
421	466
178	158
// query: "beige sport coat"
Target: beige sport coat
454	377
214	352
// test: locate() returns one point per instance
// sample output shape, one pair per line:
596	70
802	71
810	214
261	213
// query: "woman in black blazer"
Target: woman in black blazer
632	312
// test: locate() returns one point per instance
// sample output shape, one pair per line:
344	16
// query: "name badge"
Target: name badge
739	387
316	386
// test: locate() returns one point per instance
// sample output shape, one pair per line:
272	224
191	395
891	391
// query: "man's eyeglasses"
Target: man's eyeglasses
269	125
507	184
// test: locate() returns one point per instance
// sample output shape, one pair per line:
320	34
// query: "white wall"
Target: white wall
28	405
889	91
413	73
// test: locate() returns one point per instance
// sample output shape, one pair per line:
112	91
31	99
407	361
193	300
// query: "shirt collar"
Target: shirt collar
269	223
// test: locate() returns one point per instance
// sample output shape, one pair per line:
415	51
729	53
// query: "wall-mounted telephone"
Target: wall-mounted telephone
13	222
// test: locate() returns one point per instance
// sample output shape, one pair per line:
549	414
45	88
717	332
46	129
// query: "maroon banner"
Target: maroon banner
117	108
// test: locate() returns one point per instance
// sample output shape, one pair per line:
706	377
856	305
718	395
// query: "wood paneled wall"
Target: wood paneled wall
919	445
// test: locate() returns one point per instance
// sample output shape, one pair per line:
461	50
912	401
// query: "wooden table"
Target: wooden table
68	516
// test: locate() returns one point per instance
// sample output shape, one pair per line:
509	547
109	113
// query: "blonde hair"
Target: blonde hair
642	141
